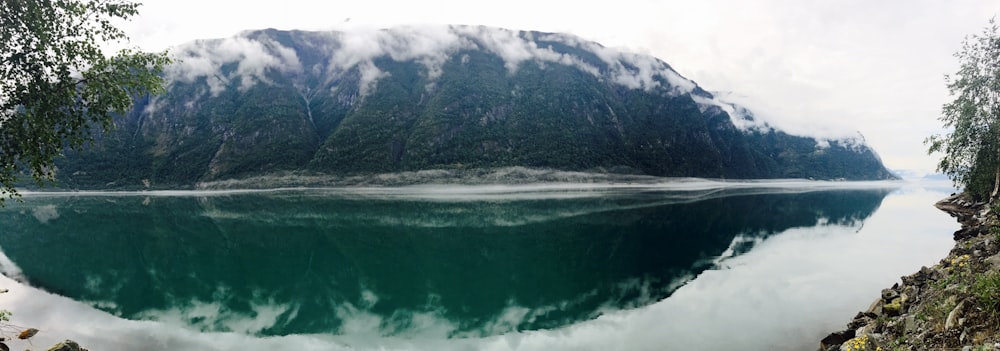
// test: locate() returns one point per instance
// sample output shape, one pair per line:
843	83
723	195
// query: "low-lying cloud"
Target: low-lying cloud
206	58
249	56
431	46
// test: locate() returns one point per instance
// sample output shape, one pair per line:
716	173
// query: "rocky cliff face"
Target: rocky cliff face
954	305
408	99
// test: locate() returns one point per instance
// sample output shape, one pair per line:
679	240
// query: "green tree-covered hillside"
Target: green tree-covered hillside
408	99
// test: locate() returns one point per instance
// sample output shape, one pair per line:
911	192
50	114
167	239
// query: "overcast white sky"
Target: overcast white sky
806	66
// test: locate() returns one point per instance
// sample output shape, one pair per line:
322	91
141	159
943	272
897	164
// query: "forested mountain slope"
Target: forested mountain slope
456	97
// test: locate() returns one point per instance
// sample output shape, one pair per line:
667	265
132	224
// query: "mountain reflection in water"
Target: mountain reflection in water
386	263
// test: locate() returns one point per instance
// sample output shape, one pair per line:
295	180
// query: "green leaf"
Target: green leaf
56	85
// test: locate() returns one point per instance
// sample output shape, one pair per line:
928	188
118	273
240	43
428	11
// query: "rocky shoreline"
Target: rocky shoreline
953	305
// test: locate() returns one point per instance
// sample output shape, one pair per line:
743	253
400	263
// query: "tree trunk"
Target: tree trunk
996	186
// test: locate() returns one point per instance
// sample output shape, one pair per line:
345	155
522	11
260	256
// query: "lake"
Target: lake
688	264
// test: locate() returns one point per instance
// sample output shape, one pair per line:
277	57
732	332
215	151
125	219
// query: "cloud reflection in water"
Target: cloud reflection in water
781	292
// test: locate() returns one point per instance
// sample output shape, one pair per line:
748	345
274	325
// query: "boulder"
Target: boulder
894	307
909	323
967	232
68	345
889	294
954	316
994	261
836	338
920	277
875	307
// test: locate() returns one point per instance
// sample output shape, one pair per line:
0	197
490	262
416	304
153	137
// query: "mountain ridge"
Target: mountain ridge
456	97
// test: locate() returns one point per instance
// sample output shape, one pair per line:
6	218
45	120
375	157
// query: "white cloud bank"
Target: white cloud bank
220	61
431	46
252	58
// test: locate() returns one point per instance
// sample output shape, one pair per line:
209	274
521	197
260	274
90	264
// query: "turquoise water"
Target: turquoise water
372	268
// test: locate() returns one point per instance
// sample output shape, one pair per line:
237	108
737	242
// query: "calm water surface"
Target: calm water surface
708	266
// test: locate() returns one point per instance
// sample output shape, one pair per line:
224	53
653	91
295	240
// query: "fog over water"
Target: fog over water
687	265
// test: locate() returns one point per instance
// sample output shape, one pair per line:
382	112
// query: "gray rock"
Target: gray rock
918	278
836	338
875	307
911	293
954	315
861	319
909	323
68	345
889	294
993	261
865	329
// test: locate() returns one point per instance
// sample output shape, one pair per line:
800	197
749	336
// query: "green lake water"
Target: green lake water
426	267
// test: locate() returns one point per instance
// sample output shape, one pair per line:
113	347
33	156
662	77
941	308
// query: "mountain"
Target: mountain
456	97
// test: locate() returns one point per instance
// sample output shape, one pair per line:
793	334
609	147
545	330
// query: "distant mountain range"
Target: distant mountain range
456	97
